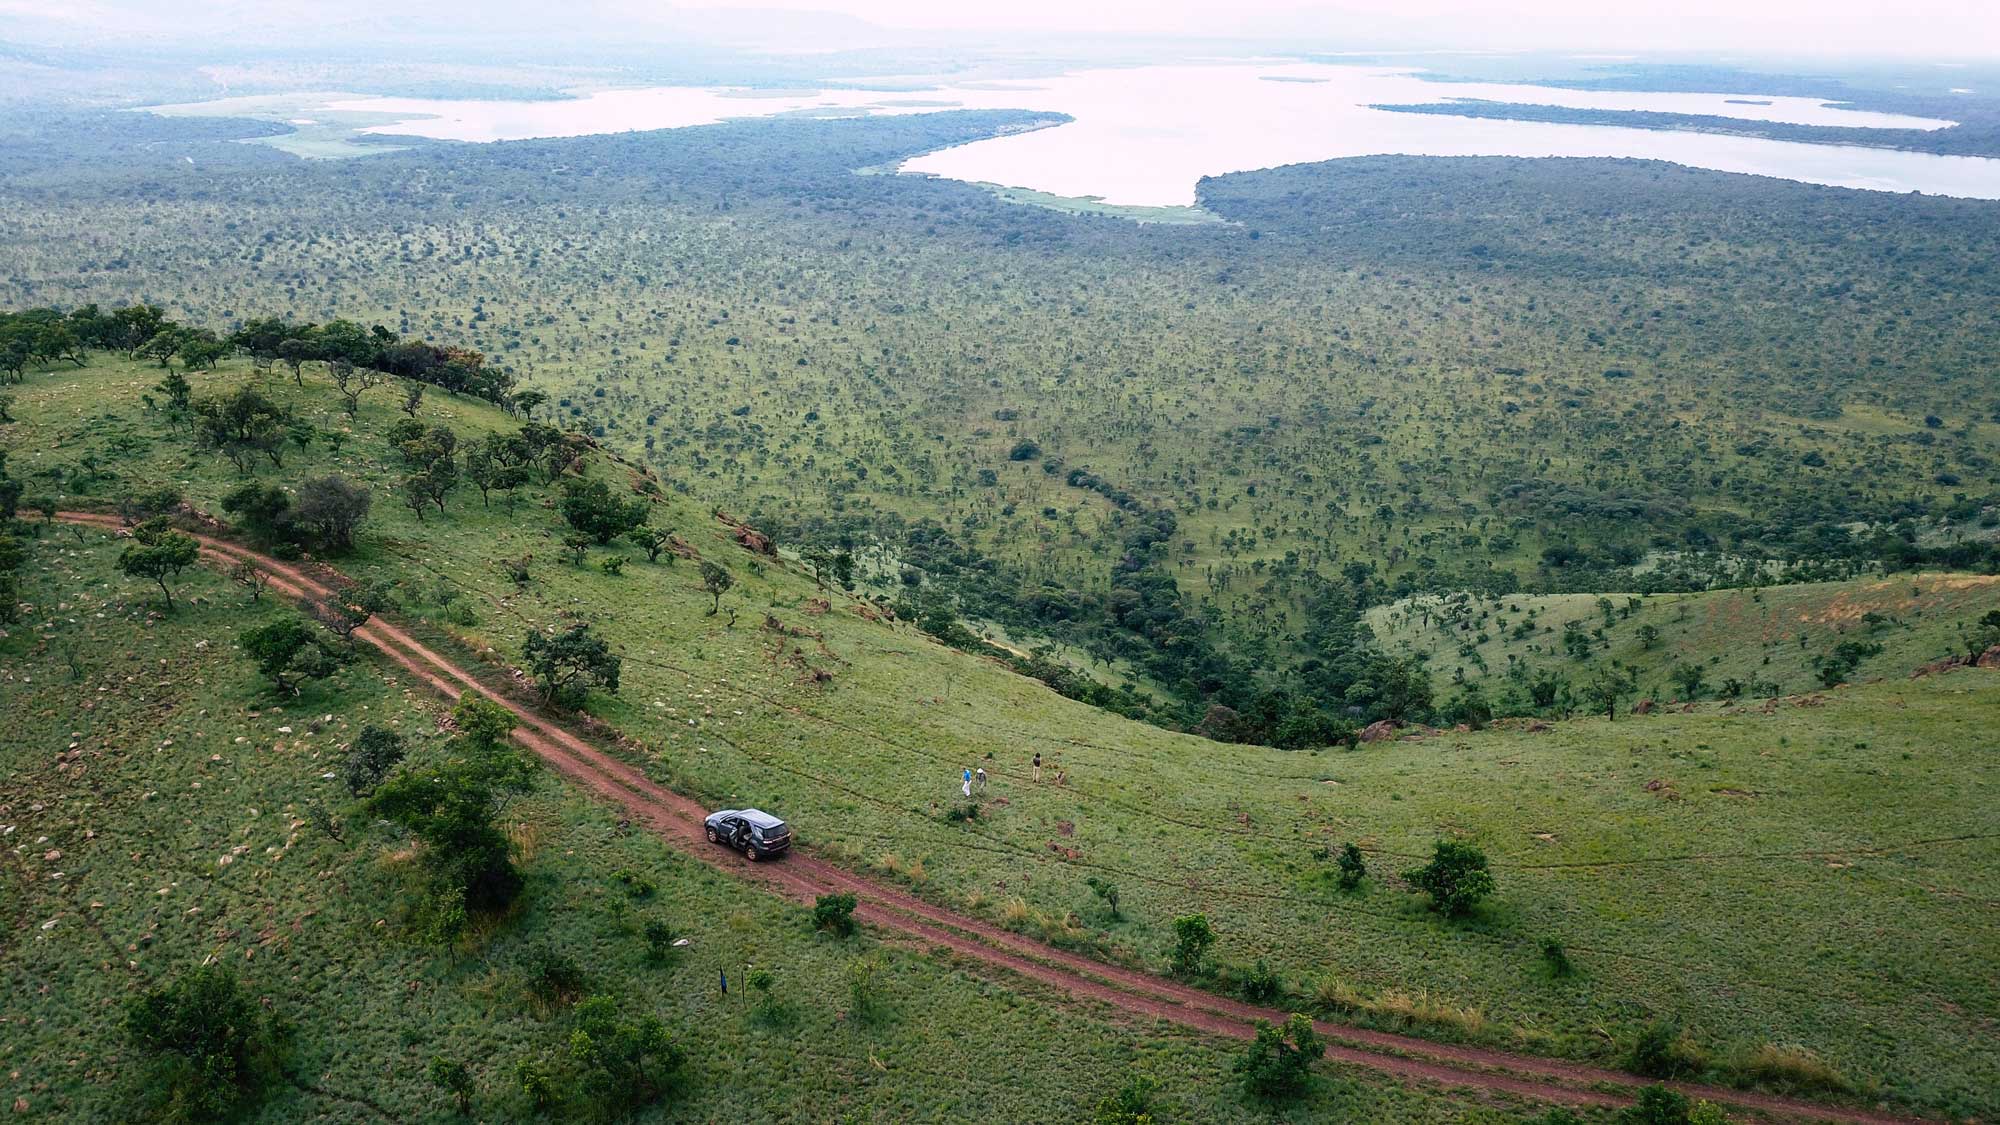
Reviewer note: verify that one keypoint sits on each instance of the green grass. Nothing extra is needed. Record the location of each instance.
(155, 803)
(1788, 880)
(1772, 635)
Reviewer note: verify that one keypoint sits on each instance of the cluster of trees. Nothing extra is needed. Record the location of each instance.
(324, 514)
(44, 336)
(452, 807)
(212, 1049)
(1335, 683)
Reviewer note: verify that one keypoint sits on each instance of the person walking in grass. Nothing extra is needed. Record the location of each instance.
(1038, 765)
(980, 777)
(967, 787)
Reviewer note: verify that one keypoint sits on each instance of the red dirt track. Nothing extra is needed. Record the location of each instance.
(678, 820)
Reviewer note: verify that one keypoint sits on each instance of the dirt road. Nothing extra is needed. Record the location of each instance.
(678, 820)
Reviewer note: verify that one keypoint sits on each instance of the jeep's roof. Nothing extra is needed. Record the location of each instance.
(758, 817)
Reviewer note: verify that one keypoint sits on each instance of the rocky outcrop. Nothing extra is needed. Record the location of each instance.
(1379, 731)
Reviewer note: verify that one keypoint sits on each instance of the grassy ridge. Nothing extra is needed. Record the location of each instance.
(157, 801)
(1765, 635)
(1730, 894)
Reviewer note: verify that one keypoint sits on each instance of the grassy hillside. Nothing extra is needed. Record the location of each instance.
(1746, 643)
(160, 803)
(1813, 878)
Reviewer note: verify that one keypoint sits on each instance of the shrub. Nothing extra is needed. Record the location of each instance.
(537, 1084)
(1192, 937)
(452, 1075)
(1707, 1113)
(660, 936)
(330, 510)
(375, 752)
(1107, 892)
(864, 989)
(1456, 878)
(453, 808)
(1663, 1050)
(553, 976)
(594, 510)
(1792, 1068)
(636, 885)
(1555, 958)
(1279, 1062)
(623, 1063)
(768, 1007)
(1132, 1104)
(834, 914)
(1352, 867)
(1657, 1105)
(214, 1045)
(1261, 982)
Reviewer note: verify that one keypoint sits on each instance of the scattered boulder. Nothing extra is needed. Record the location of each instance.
(1380, 730)
(1643, 707)
(747, 537)
(1988, 659)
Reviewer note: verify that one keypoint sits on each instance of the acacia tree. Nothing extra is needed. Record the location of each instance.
(526, 402)
(564, 665)
(295, 353)
(652, 540)
(594, 510)
(717, 582)
(158, 555)
(351, 381)
(492, 465)
(330, 509)
(290, 652)
(1604, 689)
(241, 426)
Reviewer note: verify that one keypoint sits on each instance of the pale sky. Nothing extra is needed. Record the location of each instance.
(1947, 28)
(1944, 30)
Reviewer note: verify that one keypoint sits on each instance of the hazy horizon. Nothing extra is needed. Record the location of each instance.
(1943, 30)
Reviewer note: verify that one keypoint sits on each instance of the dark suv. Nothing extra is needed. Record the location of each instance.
(751, 831)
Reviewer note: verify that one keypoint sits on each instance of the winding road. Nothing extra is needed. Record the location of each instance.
(677, 820)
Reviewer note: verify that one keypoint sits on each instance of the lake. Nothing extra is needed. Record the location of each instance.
(1144, 136)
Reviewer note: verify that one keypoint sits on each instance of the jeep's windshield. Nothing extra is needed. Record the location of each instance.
(770, 831)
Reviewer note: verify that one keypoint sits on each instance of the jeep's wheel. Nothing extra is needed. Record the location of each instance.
(752, 854)
(712, 837)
